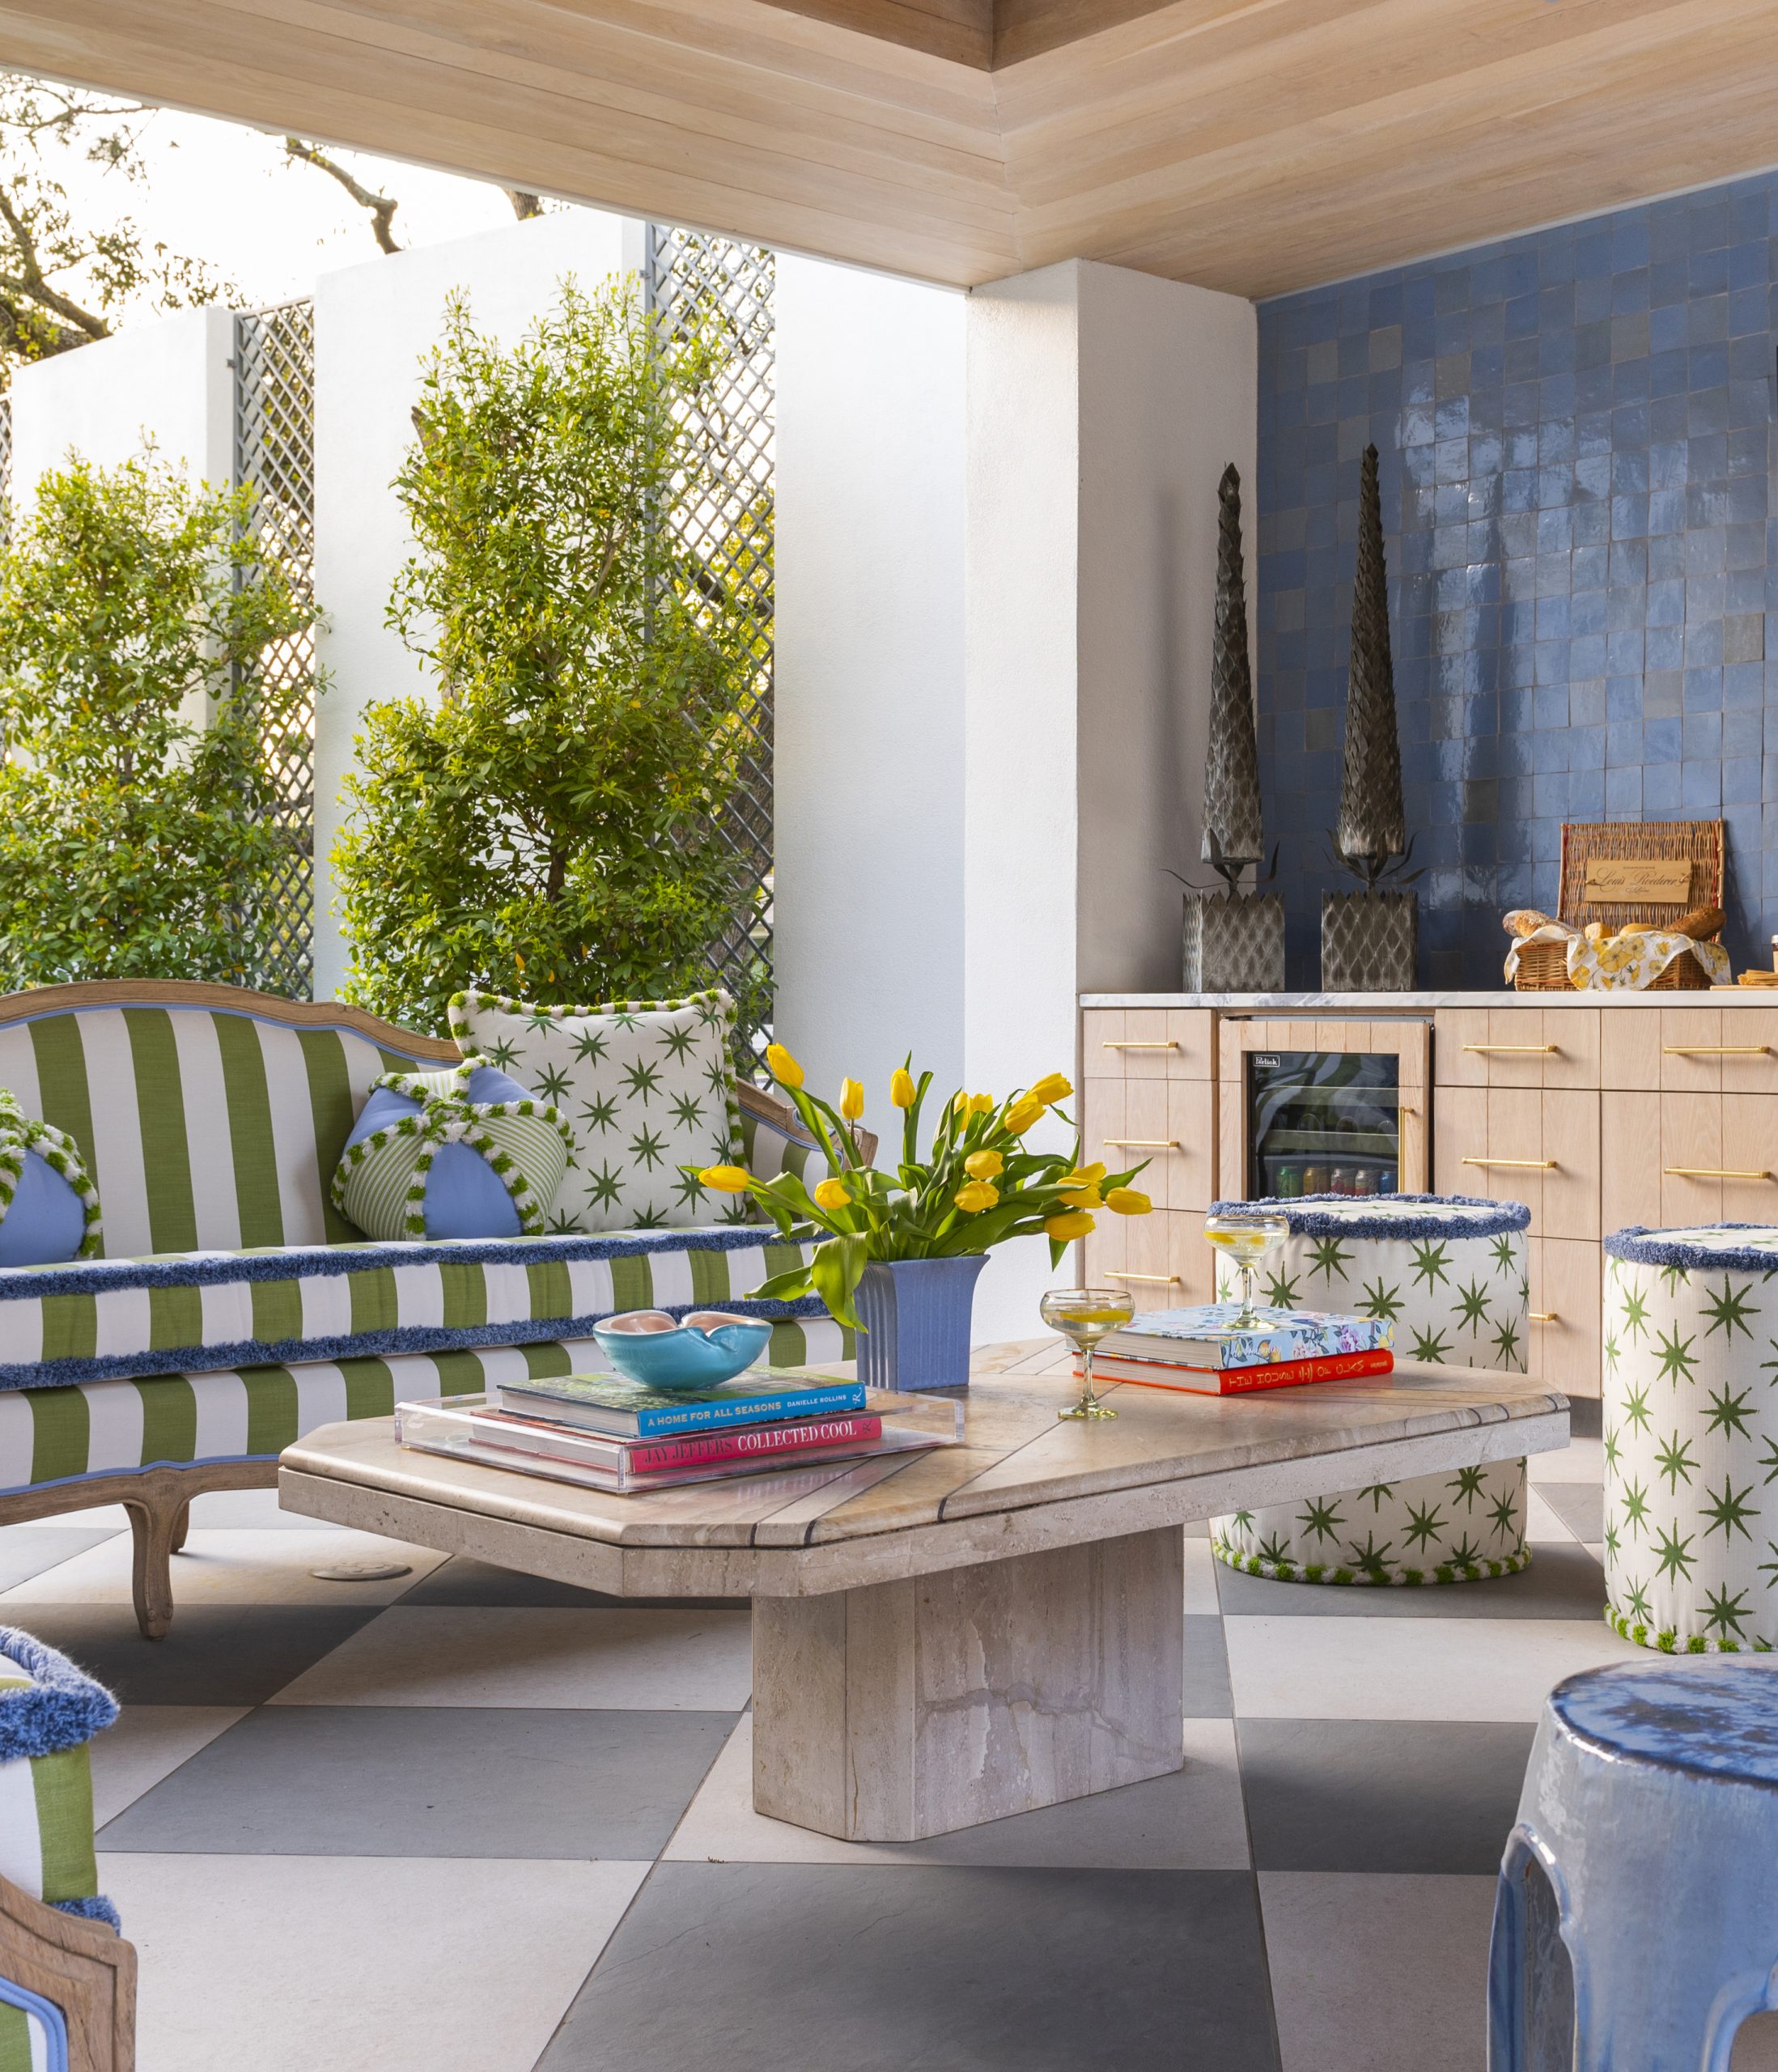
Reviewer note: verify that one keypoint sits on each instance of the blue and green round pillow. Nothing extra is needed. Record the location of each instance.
(49, 1208)
(464, 1152)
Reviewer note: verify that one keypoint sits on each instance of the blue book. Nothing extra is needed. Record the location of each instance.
(1209, 1337)
(626, 1409)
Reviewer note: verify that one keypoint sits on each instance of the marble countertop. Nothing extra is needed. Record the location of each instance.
(1022, 1478)
(1717, 996)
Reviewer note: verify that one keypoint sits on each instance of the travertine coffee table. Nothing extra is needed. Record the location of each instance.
(948, 1638)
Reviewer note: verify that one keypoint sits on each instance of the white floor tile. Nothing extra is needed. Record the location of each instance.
(1201, 1578)
(1192, 1822)
(1377, 1974)
(149, 1743)
(235, 1566)
(1433, 1669)
(361, 1963)
(250, 1507)
(1542, 1521)
(1582, 1460)
(631, 1661)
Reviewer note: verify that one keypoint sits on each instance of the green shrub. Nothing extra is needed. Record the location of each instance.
(545, 829)
(138, 836)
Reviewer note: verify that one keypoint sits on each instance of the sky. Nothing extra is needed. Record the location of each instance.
(225, 193)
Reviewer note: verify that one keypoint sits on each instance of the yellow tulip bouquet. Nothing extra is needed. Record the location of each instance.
(979, 1186)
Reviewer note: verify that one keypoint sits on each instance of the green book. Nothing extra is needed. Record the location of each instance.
(627, 1410)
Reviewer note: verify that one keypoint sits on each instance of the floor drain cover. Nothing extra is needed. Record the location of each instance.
(363, 1571)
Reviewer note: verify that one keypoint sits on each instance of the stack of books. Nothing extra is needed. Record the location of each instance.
(1204, 1351)
(606, 1433)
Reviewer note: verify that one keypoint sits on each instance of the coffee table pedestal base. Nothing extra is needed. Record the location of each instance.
(904, 1709)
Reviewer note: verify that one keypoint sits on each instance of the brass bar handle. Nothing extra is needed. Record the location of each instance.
(1712, 1173)
(1542, 1316)
(1516, 1050)
(1527, 1165)
(1716, 1050)
(1160, 1279)
(1133, 1045)
(1141, 1143)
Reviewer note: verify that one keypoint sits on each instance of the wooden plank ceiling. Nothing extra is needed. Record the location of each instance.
(1254, 145)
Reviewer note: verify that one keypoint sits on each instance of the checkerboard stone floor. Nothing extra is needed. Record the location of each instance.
(471, 1822)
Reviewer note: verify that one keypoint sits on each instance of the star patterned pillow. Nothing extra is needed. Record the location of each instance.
(647, 1087)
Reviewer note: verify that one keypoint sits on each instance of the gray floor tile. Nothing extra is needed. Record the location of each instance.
(1399, 1795)
(1580, 1506)
(756, 1968)
(1562, 1582)
(463, 1581)
(431, 1781)
(31, 1550)
(216, 1654)
(1208, 1695)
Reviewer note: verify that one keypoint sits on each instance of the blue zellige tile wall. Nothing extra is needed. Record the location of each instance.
(1575, 429)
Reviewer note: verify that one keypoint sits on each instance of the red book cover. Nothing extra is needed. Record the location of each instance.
(749, 1441)
(689, 1450)
(1243, 1381)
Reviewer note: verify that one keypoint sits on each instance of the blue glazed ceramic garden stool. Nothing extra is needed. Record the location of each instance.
(1647, 1844)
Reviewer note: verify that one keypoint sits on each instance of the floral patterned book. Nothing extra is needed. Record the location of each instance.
(1207, 1336)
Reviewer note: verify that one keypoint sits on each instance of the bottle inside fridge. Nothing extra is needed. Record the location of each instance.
(1322, 1122)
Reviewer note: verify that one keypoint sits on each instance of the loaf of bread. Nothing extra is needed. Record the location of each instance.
(1700, 924)
(1526, 921)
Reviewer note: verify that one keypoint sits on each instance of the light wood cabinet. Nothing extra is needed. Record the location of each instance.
(1663, 1114)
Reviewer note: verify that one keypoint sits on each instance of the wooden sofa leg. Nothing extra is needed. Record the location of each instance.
(155, 1520)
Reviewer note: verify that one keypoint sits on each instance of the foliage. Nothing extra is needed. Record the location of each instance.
(136, 841)
(546, 830)
(61, 280)
(978, 1185)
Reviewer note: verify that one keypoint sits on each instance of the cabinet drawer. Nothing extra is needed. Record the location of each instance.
(1147, 1042)
(1672, 1160)
(1533, 1145)
(1516, 1047)
(1161, 1259)
(1565, 1314)
(1169, 1123)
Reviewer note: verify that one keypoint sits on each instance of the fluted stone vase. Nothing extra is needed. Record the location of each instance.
(916, 1317)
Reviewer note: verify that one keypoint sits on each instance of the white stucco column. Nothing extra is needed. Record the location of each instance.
(868, 934)
(374, 324)
(168, 384)
(976, 807)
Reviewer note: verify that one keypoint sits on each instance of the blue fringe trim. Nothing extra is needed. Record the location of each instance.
(96, 1909)
(356, 1345)
(1643, 1246)
(302, 1262)
(63, 1707)
(1481, 1217)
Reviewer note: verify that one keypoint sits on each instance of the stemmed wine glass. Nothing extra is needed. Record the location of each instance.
(1245, 1237)
(1083, 1315)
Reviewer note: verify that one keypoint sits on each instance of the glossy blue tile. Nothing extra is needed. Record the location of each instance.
(1576, 428)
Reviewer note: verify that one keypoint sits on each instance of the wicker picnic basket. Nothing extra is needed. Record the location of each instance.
(1543, 966)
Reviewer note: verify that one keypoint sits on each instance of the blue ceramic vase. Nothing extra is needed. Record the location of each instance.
(916, 1318)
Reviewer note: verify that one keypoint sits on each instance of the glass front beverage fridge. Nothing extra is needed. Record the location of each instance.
(1323, 1122)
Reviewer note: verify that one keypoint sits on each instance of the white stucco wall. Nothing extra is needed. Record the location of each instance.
(869, 767)
(373, 324)
(169, 382)
(1103, 406)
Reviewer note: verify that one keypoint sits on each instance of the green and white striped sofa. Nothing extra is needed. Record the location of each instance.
(234, 1308)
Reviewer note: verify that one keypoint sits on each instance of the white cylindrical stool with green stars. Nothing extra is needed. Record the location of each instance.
(1449, 1271)
(1691, 1421)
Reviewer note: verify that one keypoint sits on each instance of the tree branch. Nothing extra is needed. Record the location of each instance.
(382, 207)
(32, 284)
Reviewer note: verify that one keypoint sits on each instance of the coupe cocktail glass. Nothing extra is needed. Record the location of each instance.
(1083, 1315)
(1246, 1238)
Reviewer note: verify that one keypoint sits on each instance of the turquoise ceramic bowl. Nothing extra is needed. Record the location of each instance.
(687, 1358)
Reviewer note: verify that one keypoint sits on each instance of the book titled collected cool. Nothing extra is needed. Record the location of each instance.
(467, 1428)
(1208, 1336)
(1243, 1381)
